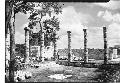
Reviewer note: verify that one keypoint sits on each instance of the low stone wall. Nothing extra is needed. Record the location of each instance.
(79, 64)
(97, 54)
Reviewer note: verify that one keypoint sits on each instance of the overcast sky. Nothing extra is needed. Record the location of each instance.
(75, 17)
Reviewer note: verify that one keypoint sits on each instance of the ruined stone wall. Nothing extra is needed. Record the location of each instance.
(97, 54)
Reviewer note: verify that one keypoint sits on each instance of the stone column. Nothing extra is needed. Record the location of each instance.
(55, 47)
(69, 45)
(42, 46)
(105, 45)
(27, 44)
(42, 40)
(57, 55)
(85, 46)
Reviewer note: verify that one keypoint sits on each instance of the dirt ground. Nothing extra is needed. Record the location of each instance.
(76, 74)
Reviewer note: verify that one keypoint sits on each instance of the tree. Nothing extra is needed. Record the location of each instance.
(20, 49)
(13, 7)
(51, 33)
(47, 33)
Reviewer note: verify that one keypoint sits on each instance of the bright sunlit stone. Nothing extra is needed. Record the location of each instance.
(59, 76)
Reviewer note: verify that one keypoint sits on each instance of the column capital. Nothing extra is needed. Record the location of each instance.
(68, 31)
(104, 26)
(27, 29)
(84, 29)
(105, 29)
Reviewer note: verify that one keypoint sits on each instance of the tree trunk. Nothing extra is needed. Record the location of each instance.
(7, 49)
(12, 46)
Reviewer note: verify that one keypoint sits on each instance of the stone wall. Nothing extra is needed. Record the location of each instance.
(97, 54)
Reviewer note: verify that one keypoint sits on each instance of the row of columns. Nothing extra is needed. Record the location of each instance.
(27, 45)
(85, 45)
(69, 45)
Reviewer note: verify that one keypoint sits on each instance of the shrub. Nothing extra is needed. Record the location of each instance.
(110, 73)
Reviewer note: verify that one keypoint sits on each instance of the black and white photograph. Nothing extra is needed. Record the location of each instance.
(57, 41)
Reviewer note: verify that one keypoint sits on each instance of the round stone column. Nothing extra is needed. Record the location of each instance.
(69, 45)
(27, 44)
(85, 46)
(105, 45)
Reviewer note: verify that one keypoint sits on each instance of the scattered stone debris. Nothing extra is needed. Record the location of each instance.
(22, 75)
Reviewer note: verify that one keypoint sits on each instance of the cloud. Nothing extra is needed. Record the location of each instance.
(73, 21)
(113, 30)
(116, 18)
(100, 13)
(109, 5)
(113, 34)
(95, 37)
(70, 17)
(76, 41)
(108, 16)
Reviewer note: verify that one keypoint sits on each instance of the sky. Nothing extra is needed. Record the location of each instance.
(79, 15)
